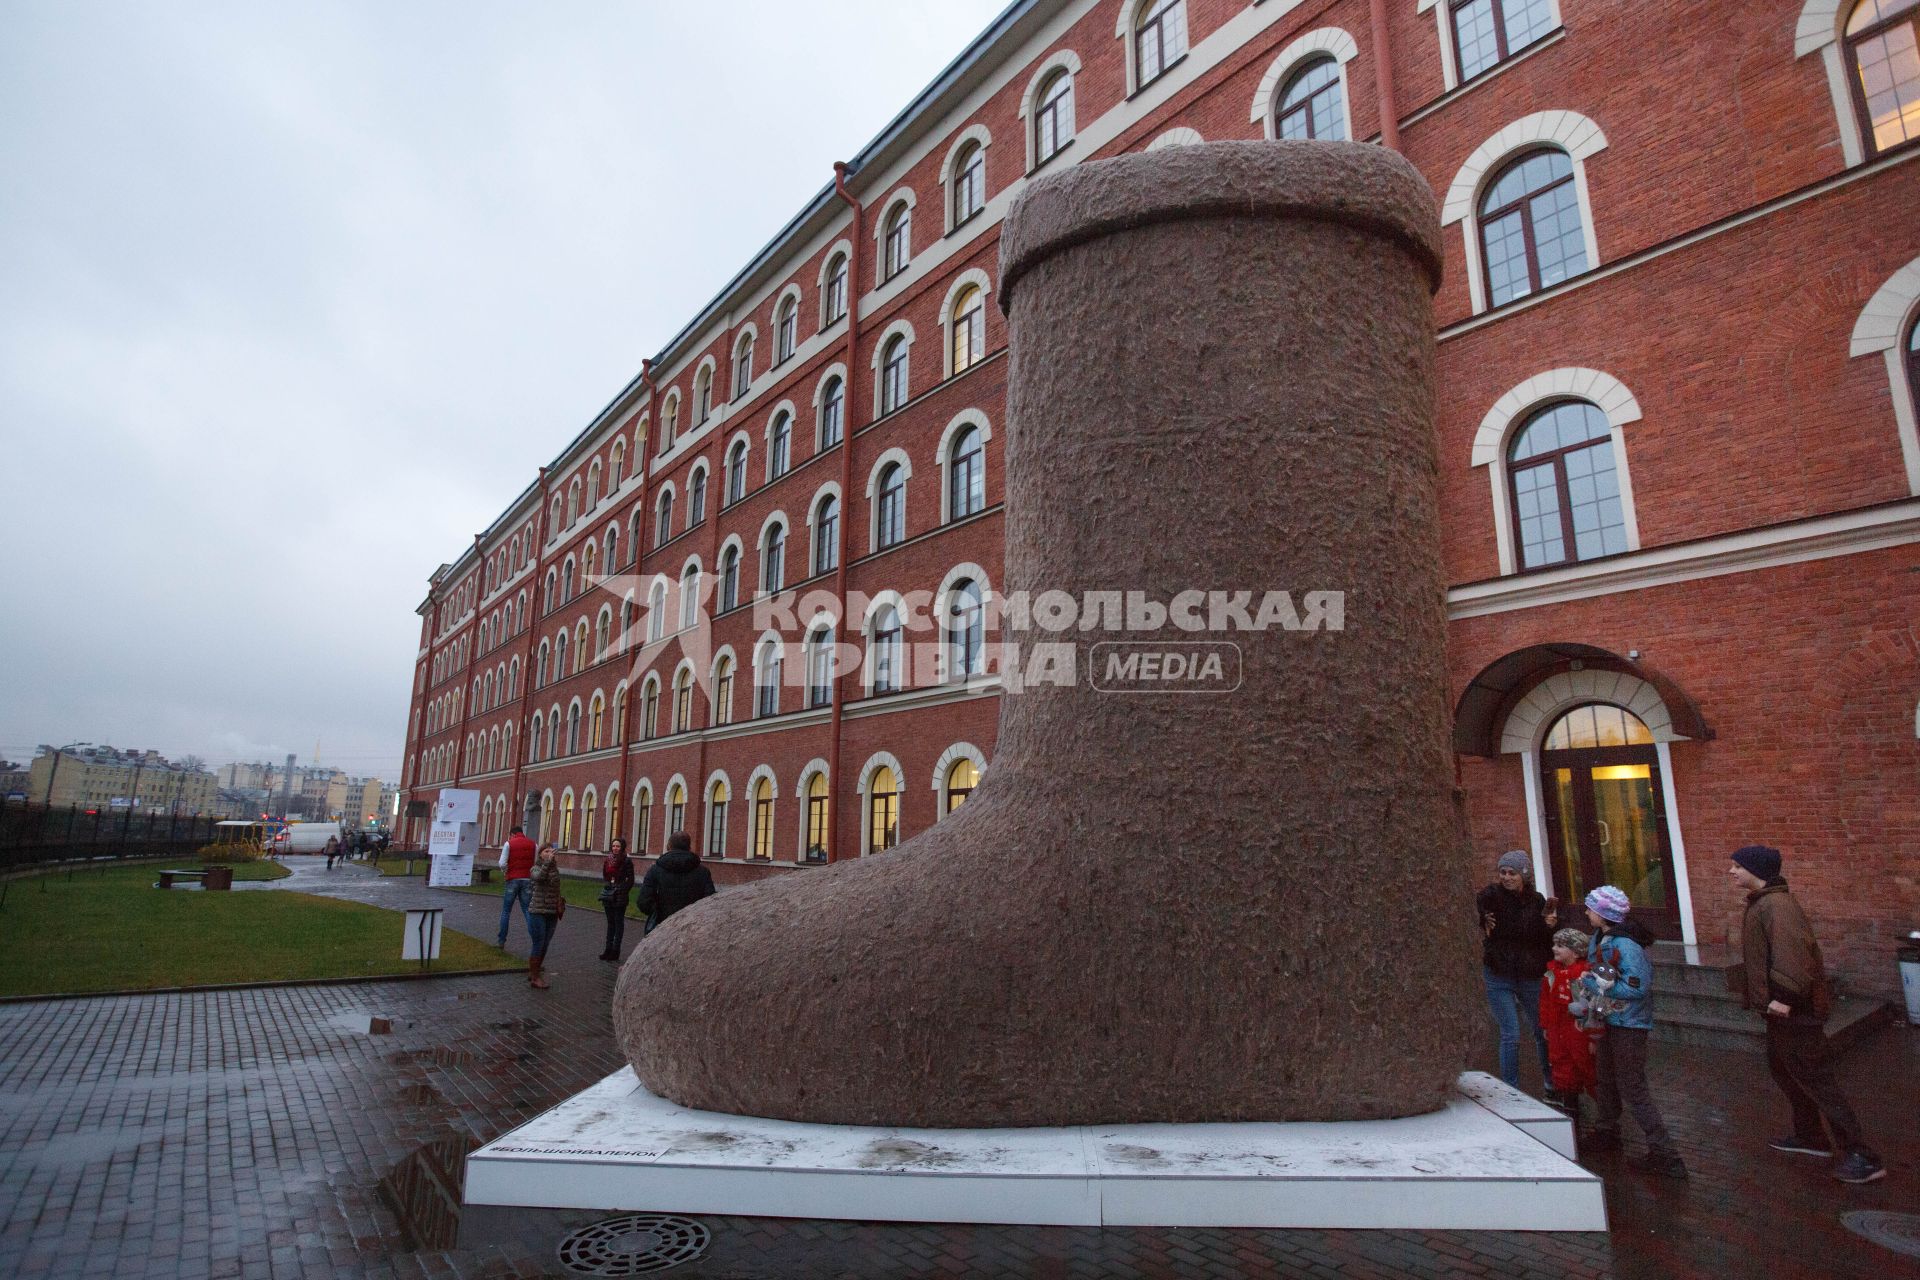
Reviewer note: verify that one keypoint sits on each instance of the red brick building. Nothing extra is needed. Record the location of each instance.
(1680, 471)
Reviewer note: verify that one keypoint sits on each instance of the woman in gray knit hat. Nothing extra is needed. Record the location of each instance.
(1516, 941)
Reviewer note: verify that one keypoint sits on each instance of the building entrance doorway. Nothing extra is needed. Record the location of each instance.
(1606, 819)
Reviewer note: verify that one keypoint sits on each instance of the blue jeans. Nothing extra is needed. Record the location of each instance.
(523, 890)
(540, 928)
(1509, 1001)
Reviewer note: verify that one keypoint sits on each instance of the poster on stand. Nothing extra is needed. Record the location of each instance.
(451, 848)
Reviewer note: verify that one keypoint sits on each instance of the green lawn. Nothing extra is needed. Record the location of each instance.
(110, 930)
(578, 893)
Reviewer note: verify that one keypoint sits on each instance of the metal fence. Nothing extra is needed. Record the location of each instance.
(34, 834)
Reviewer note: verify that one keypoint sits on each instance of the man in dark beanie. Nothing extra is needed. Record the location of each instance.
(1785, 979)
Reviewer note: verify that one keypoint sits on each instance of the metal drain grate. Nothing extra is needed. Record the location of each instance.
(1899, 1232)
(635, 1244)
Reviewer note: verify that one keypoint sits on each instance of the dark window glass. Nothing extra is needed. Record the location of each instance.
(817, 799)
(836, 299)
(833, 412)
(1883, 43)
(730, 579)
(890, 524)
(1160, 39)
(1531, 233)
(966, 632)
(723, 692)
(969, 184)
(768, 690)
(899, 242)
(893, 376)
(967, 476)
(1487, 31)
(779, 446)
(886, 651)
(1566, 493)
(697, 499)
(1311, 107)
(820, 668)
(826, 536)
(774, 572)
(969, 328)
(717, 821)
(737, 472)
(664, 529)
(1053, 120)
(783, 330)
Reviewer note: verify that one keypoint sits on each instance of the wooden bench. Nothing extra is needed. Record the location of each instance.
(168, 877)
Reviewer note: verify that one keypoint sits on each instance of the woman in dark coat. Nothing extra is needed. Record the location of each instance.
(617, 873)
(675, 882)
(1516, 942)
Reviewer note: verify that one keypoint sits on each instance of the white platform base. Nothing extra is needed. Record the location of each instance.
(1493, 1159)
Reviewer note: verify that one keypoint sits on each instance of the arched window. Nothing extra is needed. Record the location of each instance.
(566, 821)
(736, 472)
(1531, 232)
(689, 597)
(962, 778)
(897, 246)
(566, 582)
(743, 367)
(650, 709)
(1883, 50)
(642, 817)
(969, 183)
(620, 716)
(663, 527)
(883, 811)
(723, 691)
(580, 650)
(1311, 105)
(613, 815)
(702, 394)
(596, 723)
(833, 412)
(1053, 117)
(786, 324)
(966, 475)
(717, 819)
(669, 421)
(833, 299)
(779, 445)
(1159, 39)
(773, 561)
(893, 374)
(560, 656)
(618, 467)
(573, 729)
(729, 579)
(817, 802)
(613, 548)
(1487, 32)
(762, 850)
(593, 486)
(573, 502)
(683, 701)
(884, 658)
(697, 497)
(1566, 492)
(676, 808)
(657, 611)
(826, 535)
(969, 328)
(767, 680)
(587, 811)
(890, 516)
(820, 667)
(602, 634)
(966, 631)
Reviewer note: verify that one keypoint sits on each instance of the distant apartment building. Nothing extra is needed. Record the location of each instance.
(318, 792)
(100, 777)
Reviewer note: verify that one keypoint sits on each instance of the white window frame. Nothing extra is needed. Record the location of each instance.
(895, 457)
(904, 196)
(1130, 13)
(1450, 57)
(898, 329)
(965, 418)
(842, 249)
(973, 278)
(1060, 60)
(949, 175)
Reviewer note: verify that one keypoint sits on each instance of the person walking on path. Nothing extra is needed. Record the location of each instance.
(1516, 930)
(1568, 1046)
(548, 908)
(617, 874)
(1785, 979)
(517, 860)
(675, 882)
(1620, 973)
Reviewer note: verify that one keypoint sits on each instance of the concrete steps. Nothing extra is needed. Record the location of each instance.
(1693, 1005)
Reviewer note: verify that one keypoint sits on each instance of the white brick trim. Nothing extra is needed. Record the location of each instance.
(1177, 137)
(1882, 324)
(1536, 713)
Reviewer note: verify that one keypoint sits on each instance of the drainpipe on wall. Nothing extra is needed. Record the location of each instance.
(466, 673)
(854, 277)
(643, 459)
(1383, 75)
(521, 746)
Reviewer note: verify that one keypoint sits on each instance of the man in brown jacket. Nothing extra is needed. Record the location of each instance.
(1787, 982)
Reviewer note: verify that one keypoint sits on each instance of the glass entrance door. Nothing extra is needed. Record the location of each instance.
(1606, 825)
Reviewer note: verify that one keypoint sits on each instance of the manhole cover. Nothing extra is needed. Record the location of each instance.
(1899, 1232)
(635, 1244)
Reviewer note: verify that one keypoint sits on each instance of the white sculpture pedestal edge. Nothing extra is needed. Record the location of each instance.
(1493, 1159)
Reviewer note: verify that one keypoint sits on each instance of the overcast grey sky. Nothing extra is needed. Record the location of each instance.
(294, 297)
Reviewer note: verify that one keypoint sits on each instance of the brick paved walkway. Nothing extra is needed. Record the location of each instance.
(246, 1133)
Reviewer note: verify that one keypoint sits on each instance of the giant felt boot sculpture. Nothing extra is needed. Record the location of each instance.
(1163, 906)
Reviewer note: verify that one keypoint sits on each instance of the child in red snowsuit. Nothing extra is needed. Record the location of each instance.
(1569, 1049)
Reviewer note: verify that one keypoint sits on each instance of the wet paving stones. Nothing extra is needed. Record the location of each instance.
(249, 1133)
